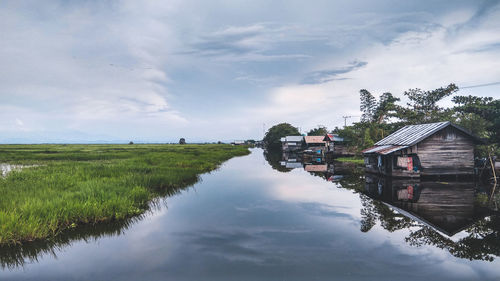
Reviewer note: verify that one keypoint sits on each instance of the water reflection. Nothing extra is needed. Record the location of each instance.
(6, 168)
(253, 221)
(436, 212)
(448, 207)
(13, 256)
(433, 212)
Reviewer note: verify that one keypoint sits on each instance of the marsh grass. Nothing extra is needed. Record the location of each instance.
(87, 184)
(351, 160)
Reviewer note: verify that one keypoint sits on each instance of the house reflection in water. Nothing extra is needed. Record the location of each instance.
(434, 212)
(448, 216)
(446, 207)
(332, 171)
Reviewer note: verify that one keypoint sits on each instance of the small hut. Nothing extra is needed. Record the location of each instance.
(315, 144)
(434, 149)
(335, 144)
(291, 143)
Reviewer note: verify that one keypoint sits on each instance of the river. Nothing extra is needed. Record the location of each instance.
(257, 220)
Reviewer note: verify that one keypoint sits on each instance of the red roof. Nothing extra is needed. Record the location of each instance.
(316, 168)
(314, 139)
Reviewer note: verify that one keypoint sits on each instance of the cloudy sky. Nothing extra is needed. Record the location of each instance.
(226, 69)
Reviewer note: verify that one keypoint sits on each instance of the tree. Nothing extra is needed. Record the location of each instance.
(423, 108)
(274, 158)
(386, 108)
(367, 140)
(320, 131)
(182, 141)
(376, 114)
(368, 106)
(276, 132)
(481, 115)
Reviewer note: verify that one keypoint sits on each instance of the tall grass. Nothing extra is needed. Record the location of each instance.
(86, 184)
(351, 160)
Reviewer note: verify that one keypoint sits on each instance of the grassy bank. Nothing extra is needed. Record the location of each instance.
(84, 184)
(351, 160)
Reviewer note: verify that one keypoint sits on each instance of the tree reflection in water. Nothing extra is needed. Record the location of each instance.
(13, 256)
(432, 212)
(18, 255)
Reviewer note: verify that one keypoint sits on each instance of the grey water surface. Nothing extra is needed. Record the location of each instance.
(250, 220)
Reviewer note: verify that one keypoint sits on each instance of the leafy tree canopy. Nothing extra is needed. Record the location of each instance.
(276, 132)
(320, 131)
(480, 115)
(423, 108)
(374, 111)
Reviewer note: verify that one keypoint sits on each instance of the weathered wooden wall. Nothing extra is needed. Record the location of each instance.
(447, 207)
(341, 149)
(449, 151)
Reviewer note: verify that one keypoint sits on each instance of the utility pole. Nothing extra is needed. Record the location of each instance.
(345, 119)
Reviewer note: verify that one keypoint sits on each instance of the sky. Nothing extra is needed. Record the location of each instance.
(156, 71)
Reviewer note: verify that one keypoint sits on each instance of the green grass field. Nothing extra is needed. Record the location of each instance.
(351, 160)
(87, 184)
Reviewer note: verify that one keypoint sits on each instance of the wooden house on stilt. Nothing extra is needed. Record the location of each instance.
(435, 149)
(315, 145)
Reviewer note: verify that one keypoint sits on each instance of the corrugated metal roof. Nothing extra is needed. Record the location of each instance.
(314, 139)
(294, 138)
(384, 149)
(332, 137)
(337, 138)
(374, 149)
(412, 134)
(392, 149)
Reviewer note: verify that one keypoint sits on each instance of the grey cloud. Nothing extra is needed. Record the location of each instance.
(78, 64)
(484, 9)
(481, 85)
(258, 42)
(482, 48)
(323, 76)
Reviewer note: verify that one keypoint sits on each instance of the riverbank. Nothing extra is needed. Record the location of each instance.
(351, 160)
(71, 185)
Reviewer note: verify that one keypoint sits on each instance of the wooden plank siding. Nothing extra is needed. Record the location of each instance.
(448, 151)
(447, 207)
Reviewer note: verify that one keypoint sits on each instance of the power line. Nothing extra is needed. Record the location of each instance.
(346, 117)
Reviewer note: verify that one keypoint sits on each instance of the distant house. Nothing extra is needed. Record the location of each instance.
(238, 142)
(335, 144)
(292, 143)
(426, 149)
(315, 144)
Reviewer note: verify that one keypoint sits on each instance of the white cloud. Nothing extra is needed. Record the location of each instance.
(19, 122)
(159, 70)
(426, 59)
(88, 67)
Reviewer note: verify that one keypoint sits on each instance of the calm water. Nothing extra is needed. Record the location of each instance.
(254, 221)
